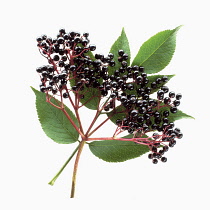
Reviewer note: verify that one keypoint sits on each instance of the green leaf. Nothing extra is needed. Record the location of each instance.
(156, 53)
(176, 116)
(116, 150)
(120, 44)
(118, 113)
(91, 98)
(54, 122)
(153, 78)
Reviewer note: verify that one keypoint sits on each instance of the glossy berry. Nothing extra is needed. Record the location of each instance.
(166, 113)
(125, 56)
(164, 79)
(150, 156)
(120, 52)
(178, 96)
(134, 113)
(60, 40)
(165, 89)
(173, 109)
(167, 100)
(165, 148)
(92, 47)
(155, 161)
(171, 94)
(164, 159)
(176, 103)
(141, 68)
(66, 95)
(56, 58)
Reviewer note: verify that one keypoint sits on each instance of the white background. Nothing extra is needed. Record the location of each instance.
(29, 159)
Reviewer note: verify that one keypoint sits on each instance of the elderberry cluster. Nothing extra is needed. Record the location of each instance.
(73, 67)
(67, 59)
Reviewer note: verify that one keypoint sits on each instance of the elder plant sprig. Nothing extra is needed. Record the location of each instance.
(131, 95)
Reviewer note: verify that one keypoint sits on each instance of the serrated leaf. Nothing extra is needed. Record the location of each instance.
(156, 53)
(120, 44)
(116, 150)
(54, 122)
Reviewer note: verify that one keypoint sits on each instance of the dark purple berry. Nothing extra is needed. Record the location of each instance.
(166, 113)
(56, 58)
(164, 78)
(165, 148)
(164, 159)
(155, 161)
(120, 52)
(158, 80)
(134, 113)
(60, 40)
(86, 34)
(179, 135)
(150, 156)
(178, 96)
(176, 103)
(92, 47)
(124, 63)
(167, 100)
(172, 94)
(141, 68)
(165, 89)
(153, 85)
(66, 95)
(43, 89)
(173, 109)
(125, 56)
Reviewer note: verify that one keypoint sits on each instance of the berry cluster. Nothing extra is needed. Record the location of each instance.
(67, 60)
(128, 86)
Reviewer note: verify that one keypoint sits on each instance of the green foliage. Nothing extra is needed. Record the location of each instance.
(175, 116)
(91, 98)
(54, 122)
(120, 44)
(117, 151)
(156, 53)
(118, 113)
(152, 78)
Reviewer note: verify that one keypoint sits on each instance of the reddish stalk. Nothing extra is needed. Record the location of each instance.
(99, 126)
(77, 112)
(72, 122)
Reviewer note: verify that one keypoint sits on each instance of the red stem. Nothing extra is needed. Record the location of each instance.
(72, 122)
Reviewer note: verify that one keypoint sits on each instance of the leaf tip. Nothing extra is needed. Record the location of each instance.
(178, 27)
